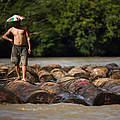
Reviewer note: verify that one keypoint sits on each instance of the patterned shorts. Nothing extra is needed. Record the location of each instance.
(19, 54)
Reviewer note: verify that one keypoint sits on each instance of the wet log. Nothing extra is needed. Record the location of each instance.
(66, 81)
(83, 92)
(7, 96)
(58, 73)
(50, 67)
(114, 70)
(51, 87)
(98, 82)
(36, 67)
(29, 93)
(54, 88)
(97, 73)
(88, 68)
(45, 76)
(112, 66)
(3, 71)
(71, 98)
(115, 74)
(12, 72)
(32, 75)
(67, 68)
(78, 72)
(111, 85)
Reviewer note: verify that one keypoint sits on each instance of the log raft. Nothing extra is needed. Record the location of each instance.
(87, 85)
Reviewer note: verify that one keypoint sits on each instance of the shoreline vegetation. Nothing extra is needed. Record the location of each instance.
(90, 85)
(65, 27)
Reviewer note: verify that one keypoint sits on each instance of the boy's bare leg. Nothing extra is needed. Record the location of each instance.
(24, 72)
(17, 71)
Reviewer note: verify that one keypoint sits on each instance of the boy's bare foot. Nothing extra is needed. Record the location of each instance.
(18, 78)
(24, 80)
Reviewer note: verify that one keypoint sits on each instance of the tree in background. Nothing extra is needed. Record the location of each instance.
(66, 27)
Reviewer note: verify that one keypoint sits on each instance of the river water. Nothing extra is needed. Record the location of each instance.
(61, 111)
(75, 61)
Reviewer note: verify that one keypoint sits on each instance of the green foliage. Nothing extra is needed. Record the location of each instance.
(67, 27)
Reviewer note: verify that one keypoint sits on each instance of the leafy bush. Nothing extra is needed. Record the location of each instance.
(67, 27)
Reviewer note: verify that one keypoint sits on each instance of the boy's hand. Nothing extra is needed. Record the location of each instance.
(12, 42)
(29, 51)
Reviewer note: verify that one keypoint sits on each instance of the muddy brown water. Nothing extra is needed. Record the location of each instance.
(61, 111)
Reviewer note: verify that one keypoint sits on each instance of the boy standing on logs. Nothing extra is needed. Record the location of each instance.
(19, 49)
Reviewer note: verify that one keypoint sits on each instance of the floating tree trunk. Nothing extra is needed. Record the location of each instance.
(54, 88)
(51, 87)
(97, 73)
(58, 73)
(31, 75)
(100, 81)
(111, 85)
(36, 67)
(50, 67)
(115, 74)
(67, 68)
(83, 92)
(78, 72)
(45, 76)
(29, 93)
(12, 72)
(3, 71)
(7, 96)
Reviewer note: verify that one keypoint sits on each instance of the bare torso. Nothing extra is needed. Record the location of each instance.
(19, 35)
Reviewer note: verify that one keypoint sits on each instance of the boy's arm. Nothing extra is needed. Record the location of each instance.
(28, 40)
(5, 36)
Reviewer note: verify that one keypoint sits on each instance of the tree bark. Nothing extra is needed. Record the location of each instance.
(29, 93)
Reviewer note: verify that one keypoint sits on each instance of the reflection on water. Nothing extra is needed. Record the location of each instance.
(60, 111)
(75, 61)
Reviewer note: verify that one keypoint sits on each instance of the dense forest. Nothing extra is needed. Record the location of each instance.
(65, 27)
